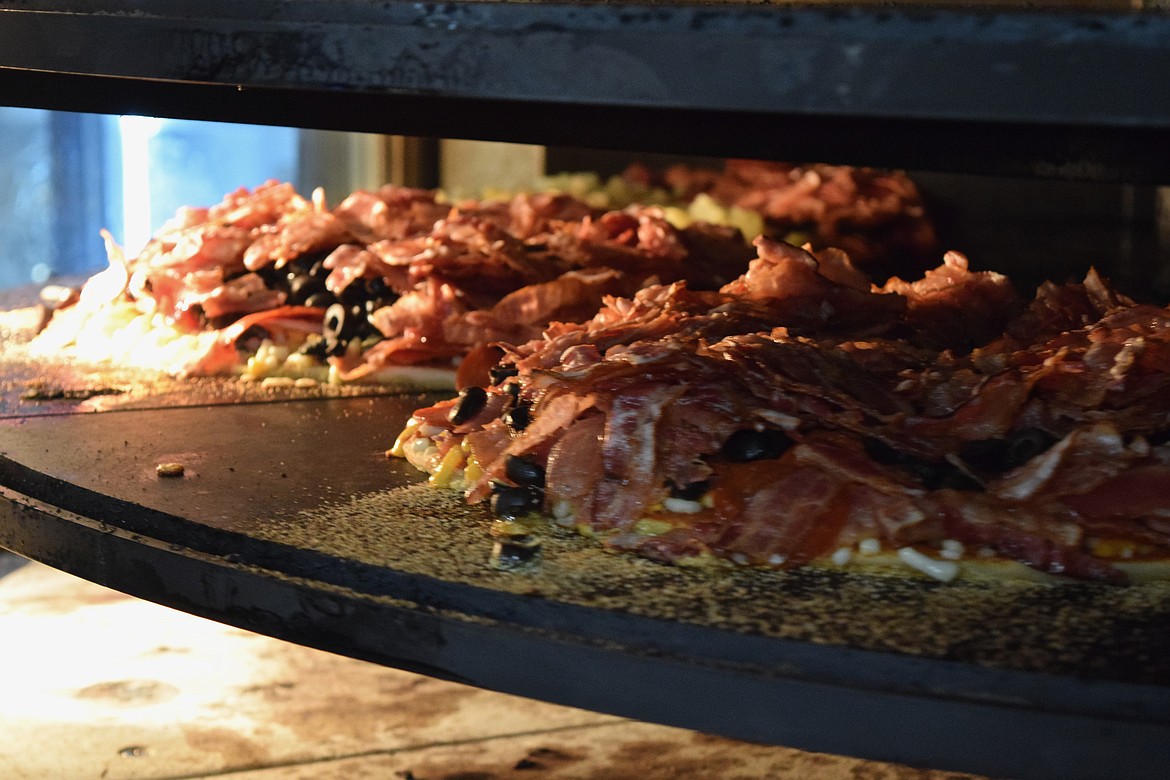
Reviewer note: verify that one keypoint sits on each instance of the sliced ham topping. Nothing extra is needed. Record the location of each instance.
(414, 326)
(815, 293)
(436, 415)
(306, 233)
(571, 297)
(393, 213)
(241, 295)
(631, 480)
(348, 263)
(1044, 542)
(1138, 492)
(951, 307)
(574, 470)
(1076, 464)
(778, 513)
(535, 215)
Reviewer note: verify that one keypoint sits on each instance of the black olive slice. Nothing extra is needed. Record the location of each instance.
(511, 503)
(956, 479)
(930, 473)
(250, 339)
(1012, 451)
(299, 265)
(314, 346)
(363, 328)
(498, 373)
(518, 418)
(523, 471)
(934, 475)
(692, 492)
(749, 444)
(471, 401)
(354, 295)
(516, 552)
(882, 452)
(273, 279)
(376, 287)
(1026, 444)
(302, 287)
(339, 323)
(513, 389)
(322, 300)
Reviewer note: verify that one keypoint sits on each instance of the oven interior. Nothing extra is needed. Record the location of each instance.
(1032, 132)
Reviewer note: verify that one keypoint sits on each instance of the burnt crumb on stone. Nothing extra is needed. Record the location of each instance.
(43, 392)
(515, 554)
(542, 757)
(170, 470)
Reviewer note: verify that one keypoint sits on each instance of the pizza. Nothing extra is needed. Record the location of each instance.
(397, 286)
(875, 216)
(801, 415)
(878, 217)
(393, 286)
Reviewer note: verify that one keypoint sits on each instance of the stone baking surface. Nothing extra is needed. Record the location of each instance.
(1054, 627)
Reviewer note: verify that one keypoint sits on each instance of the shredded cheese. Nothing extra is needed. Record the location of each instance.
(472, 471)
(408, 430)
(448, 467)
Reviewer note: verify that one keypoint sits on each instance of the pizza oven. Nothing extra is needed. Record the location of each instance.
(1039, 137)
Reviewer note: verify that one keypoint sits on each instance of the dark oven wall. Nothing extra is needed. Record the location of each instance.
(1038, 146)
(995, 88)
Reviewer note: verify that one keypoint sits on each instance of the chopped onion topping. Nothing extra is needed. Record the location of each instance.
(841, 556)
(952, 549)
(681, 505)
(944, 571)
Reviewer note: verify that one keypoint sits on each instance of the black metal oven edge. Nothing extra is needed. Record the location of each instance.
(1112, 152)
(952, 61)
(738, 653)
(940, 732)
